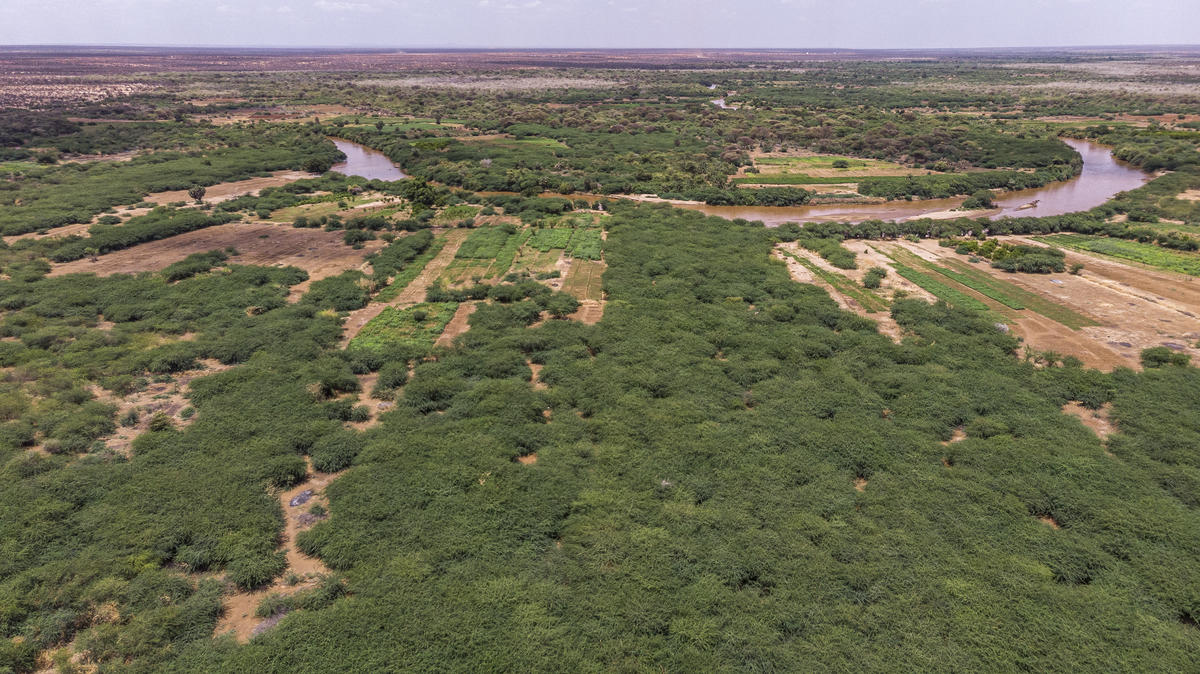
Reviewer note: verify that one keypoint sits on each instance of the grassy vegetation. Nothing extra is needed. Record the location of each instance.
(417, 326)
(73, 193)
(939, 289)
(485, 243)
(726, 473)
(1142, 253)
(410, 272)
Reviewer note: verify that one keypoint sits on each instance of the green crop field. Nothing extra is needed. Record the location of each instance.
(1142, 253)
(401, 328)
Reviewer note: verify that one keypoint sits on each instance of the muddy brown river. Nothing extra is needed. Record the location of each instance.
(363, 161)
(1101, 178)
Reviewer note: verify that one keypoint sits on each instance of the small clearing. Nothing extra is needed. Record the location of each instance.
(1097, 420)
(457, 325)
(239, 607)
(317, 252)
(225, 191)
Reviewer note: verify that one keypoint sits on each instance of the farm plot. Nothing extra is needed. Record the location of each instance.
(487, 253)
(419, 325)
(1132, 251)
(1105, 315)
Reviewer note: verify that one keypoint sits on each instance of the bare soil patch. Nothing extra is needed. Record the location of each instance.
(589, 313)
(238, 609)
(317, 252)
(458, 325)
(528, 459)
(1189, 195)
(1097, 420)
(1049, 521)
(536, 368)
(868, 257)
(231, 190)
(860, 484)
(167, 398)
(1137, 308)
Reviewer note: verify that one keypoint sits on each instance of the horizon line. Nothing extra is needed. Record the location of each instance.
(402, 48)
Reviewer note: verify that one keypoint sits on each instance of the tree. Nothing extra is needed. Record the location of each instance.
(197, 193)
(91, 253)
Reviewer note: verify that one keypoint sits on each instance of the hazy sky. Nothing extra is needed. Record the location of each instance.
(603, 23)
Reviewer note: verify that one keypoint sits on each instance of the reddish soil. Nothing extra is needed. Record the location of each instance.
(318, 252)
(458, 325)
(1049, 521)
(528, 459)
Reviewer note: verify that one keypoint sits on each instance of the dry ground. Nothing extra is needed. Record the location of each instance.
(318, 252)
(231, 190)
(239, 607)
(1136, 308)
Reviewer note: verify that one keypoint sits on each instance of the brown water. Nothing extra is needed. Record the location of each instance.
(1102, 177)
(363, 161)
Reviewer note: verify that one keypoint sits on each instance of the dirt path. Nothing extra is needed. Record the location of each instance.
(458, 325)
(239, 607)
(412, 294)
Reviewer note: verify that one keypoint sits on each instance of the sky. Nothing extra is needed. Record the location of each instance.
(858, 24)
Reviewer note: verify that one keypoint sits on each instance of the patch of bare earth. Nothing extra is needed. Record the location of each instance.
(1189, 195)
(238, 608)
(860, 484)
(1097, 420)
(231, 190)
(317, 252)
(527, 459)
(536, 368)
(165, 398)
(1049, 521)
(413, 293)
(1136, 308)
(458, 325)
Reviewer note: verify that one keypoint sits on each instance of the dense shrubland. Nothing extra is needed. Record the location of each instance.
(692, 505)
(49, 197)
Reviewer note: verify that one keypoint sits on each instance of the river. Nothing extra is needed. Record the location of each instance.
(1101, 178)
(363, 161)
